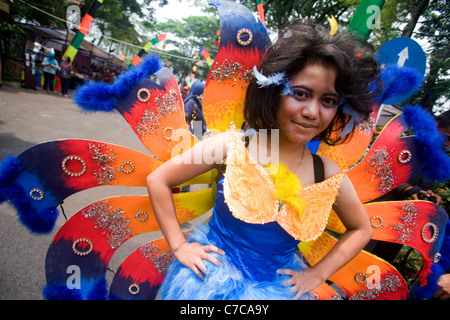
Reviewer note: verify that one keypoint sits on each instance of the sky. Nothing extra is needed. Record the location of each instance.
(177, 10)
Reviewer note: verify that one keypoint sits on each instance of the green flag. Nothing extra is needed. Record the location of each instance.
(366, 17)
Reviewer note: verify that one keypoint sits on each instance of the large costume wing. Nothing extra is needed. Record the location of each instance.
(147, 96)
(243, 40)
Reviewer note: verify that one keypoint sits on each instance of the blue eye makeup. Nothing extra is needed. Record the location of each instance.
(301, 94)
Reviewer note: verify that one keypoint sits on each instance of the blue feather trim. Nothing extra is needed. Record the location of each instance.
(100, 96)
(398, 81)
(435, 162)
(92, 290)
(437, 269)
(10, 168)
(36, 220)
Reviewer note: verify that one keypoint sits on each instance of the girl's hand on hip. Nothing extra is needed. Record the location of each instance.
(192, 255)
(300, 282)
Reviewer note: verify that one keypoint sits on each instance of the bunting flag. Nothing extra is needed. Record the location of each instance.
(259, 5)
(366, 17)
(192, 76)
(217, 43)
(83, 29)
(205, 55)
(146, 49)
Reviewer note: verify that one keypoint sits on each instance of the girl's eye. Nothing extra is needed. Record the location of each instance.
(330, 102)
(300, 94)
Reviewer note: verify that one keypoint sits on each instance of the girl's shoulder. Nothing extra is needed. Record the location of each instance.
(331, 167)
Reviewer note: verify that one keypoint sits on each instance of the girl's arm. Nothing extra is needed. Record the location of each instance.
(353, 215)
(201, 158)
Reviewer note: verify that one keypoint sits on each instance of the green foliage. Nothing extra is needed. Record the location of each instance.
(281, 12)
(409, 263)
(187, 36)
(443, 190)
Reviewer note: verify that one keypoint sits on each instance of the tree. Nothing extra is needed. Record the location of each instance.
(435, 29)
(187, 36)
(280, 12)
(420, 19)
(115, 18)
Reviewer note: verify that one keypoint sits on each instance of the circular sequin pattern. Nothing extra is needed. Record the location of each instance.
(82, 253)
(166, 136)
(434, 232)
(361, 277)
(141, 216)
(127, 167)
(376, 222)
(143, 97)
(69, 172)
(36, 194)
(404, 156)
(242, 34)
(134, 288)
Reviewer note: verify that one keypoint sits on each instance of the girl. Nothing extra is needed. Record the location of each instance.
(309, 85)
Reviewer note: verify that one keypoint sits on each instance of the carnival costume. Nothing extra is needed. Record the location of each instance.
(147, 96)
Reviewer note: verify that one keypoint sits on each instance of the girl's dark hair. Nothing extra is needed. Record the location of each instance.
(304, 44)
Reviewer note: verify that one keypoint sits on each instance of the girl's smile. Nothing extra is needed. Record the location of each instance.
(311, 105)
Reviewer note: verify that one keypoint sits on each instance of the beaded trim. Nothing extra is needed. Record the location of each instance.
(129, 163)
(167, 137)
(361, 277)
(239, 37)
(372, 222)
(82, 253)
(403, 159)
(35, 191)
(70, 173)
(134, 288)
(139, 96)
(435, 232)
(143, 214)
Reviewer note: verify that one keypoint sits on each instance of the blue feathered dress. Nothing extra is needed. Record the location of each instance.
(253, 254)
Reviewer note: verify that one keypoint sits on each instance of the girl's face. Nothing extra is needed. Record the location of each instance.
(311, 106)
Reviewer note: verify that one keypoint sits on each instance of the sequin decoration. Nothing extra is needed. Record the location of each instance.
(391, 283)
(103, 156)
(149, 122)
(231, 70)
(167, 103)
(434, 232)
(247, 34)
(73, 158)
(367, 127)
(82, 253)
(36, 194)
(161, 260)
(381, 164)
(405, 228)
(111, 221)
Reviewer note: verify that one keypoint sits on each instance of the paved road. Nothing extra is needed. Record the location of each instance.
(28, 117)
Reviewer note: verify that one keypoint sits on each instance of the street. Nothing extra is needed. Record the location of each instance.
(29, 117)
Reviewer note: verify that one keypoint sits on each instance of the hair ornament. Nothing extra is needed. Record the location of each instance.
(355, 118)
(273, 80)
(287, 90)
(333, 25)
